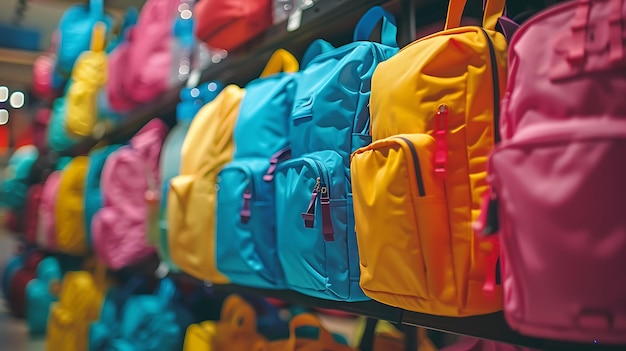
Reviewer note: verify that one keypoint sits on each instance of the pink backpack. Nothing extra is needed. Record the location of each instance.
(139, 67)
(43, 69)
(558, 176)
(129, 186)
(46, 233)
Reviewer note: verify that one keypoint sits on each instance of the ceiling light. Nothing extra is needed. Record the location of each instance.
(17, 100)
(4, 117)
(4, 93)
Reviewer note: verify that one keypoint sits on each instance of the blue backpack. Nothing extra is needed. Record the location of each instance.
(153, 322)
(93, 194)
(74, 30)
(192, 99)
(246, 227)
(14, 186)
(330, 119)
(39, 297)
(103, 332)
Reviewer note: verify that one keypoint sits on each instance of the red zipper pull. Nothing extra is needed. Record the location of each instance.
(441, 151)
(327, 223)
(491, 261)
(309, 215)
(244, 214)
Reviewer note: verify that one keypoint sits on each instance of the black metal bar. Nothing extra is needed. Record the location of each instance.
(367, 340)
(410, 338)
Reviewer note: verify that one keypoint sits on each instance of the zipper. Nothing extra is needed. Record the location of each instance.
(321, 186)
(416, 164)
(495, 77)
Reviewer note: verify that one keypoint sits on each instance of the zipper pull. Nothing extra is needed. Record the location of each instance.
(441, 151)
(244, 214)
(282, 154)
(327, 222)
(309, 215)
(491, 260)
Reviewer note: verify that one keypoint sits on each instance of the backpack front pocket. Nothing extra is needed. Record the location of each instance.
(246, 225)
(401, 222)
(312, 229)
(560, 192)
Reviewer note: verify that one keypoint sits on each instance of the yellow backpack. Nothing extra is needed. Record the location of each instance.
(417, 194)
(80, 301)
(88, 76)
(208, 146)
(69, 212)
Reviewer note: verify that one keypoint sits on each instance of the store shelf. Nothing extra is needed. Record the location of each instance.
(492, 326)
(333, 20)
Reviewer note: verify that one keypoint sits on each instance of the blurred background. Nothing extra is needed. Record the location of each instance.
(26, 29)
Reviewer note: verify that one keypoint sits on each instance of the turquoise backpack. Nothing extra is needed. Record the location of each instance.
(152, 322)
(74, 30)
(246, 218)
(14, 185)
(330, 119)
(93, 194)
(39, 297)
(192, 99)
(58, 139)
(103, 332)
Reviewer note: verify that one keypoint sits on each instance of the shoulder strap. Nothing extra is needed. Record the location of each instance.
(493, 11)
(281, 61)
(368, 22)
(98, 37)
(316, 48)
(96, 8)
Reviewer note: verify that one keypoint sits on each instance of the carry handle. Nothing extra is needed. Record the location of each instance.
(239, 314)
(96, 8)
(98, 37)
(281, 61)
(309, 320)
(318, 47)
(368, 22)
(493, 11)
(580, 25)
(167, 291)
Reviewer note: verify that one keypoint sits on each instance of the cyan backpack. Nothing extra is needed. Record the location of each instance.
(57, 137)
(246, 220)
(40, 294)
(14, 186)
(74, 30)
(316, 241)
(153, 322)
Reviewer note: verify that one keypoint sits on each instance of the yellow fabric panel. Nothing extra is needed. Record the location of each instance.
(208, 146)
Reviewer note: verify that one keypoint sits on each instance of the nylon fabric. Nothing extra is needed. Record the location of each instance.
(191, 204)
(445, 87)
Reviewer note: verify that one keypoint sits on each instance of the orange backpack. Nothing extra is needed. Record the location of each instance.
(417, 194)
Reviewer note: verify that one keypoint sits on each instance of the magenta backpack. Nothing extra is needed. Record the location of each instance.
(46, 233)
(558, 177)
(140, 66)
(129, 186)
